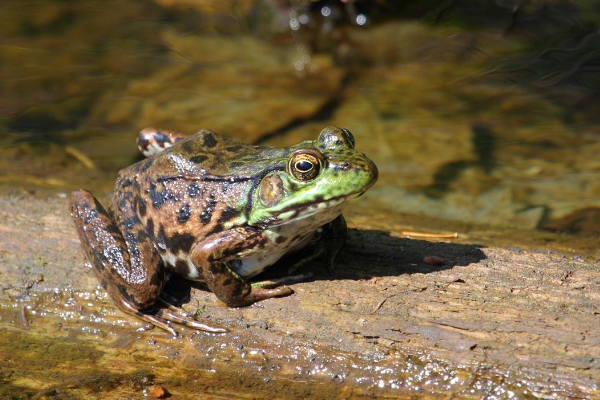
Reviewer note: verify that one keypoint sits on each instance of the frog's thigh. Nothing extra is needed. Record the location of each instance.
(211, 257)
(133, 282)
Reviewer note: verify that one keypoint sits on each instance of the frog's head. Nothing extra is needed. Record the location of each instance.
(318, 176)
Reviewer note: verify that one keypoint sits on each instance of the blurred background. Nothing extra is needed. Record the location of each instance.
(478, 111)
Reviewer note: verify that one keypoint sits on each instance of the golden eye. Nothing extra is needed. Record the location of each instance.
(305, 165)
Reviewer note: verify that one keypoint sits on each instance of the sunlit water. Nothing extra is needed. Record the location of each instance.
(477, 113)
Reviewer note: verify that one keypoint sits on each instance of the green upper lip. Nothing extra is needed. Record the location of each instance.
(312, 203)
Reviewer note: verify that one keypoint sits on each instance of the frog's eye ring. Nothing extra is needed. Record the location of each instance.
(305, 164)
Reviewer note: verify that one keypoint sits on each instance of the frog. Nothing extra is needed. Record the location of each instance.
(210, 209)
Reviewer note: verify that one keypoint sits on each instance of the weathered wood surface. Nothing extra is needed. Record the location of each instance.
(488, 323)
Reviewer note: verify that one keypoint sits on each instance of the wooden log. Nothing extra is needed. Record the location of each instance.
(487, 323)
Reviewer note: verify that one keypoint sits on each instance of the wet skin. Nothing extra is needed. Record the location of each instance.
(210, 209)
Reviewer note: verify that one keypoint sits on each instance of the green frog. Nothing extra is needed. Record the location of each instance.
(210, 209)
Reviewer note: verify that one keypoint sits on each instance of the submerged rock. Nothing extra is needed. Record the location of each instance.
(238, 86)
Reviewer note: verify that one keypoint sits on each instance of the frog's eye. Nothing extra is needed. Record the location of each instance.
(305, 164)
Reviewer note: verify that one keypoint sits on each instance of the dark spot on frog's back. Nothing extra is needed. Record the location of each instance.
(234, 148)
(159, 198)
(180, 242)
(184, 214)
(198, 159)
(207, 213)
(236, 164)
(193, 189)
(156, 197)
(130, 223)
(187, 147)
(209, 140)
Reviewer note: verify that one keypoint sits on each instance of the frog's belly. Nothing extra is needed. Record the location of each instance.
(250, 266)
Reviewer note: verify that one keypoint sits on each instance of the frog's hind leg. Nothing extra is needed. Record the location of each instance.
(123, 258)
(152, 141)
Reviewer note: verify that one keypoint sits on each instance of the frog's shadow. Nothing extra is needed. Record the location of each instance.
(368, 254)
(376, 253)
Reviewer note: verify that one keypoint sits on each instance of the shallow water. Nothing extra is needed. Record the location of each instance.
(474, 113)
(65, 345)
(478, 113)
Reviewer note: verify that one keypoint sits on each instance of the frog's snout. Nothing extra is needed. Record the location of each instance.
(374, 172)
(368, 172)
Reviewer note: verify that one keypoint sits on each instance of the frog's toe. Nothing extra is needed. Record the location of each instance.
(286, 280)
(154, 320)
(177, 318)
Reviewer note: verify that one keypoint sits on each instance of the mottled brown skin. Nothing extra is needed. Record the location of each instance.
(187, 210)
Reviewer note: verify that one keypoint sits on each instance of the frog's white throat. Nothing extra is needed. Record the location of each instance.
(288, 237)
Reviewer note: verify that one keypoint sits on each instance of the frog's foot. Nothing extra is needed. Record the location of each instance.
(152, 141)
(172, 314)
(164, 316)
(286, 280)
(152, 319)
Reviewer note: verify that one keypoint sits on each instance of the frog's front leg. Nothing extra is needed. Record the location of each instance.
(125, 261)
(212, 256)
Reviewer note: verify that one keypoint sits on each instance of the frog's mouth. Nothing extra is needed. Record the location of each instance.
(307, 210)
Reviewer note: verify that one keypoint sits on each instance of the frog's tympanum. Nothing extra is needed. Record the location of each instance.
(210, 209)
